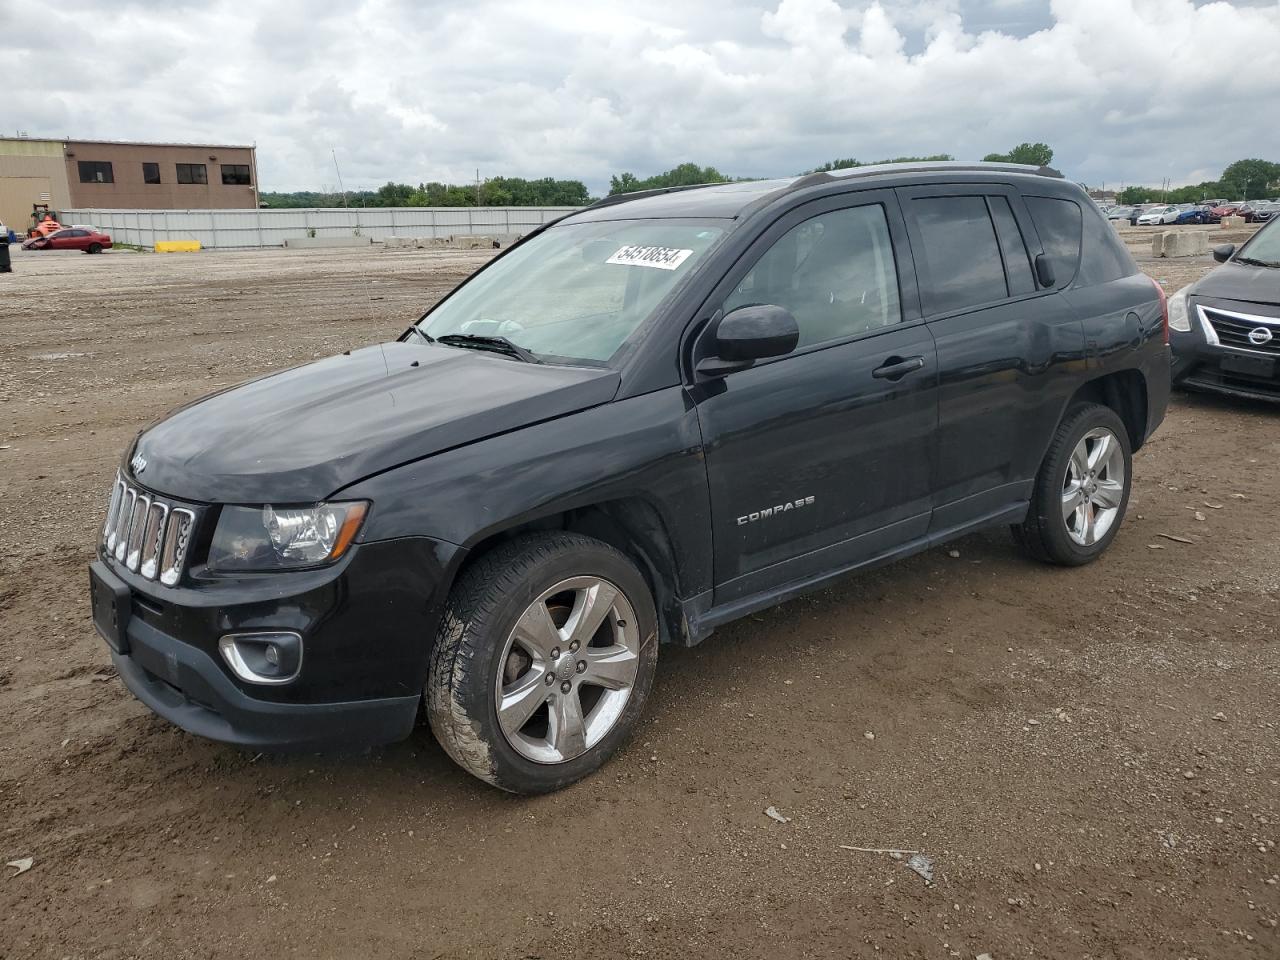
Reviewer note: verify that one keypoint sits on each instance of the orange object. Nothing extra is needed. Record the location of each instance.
(44, 220)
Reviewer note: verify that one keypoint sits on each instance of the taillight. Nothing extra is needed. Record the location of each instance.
(1164, 309)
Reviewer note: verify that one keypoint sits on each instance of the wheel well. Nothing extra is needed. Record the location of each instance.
(1125, 392)
(630, 525)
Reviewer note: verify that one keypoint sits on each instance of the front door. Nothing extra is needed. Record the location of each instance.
(821, 459)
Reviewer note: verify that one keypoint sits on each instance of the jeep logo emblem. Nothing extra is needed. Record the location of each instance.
(1260, 336)
(138, 463)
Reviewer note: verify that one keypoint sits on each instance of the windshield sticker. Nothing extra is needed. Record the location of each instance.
(664, 258)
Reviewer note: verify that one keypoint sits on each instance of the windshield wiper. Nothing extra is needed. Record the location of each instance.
(1253, 261)
(495, 344)
(422, 333)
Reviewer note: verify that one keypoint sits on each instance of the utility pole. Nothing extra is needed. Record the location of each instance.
(478, 203)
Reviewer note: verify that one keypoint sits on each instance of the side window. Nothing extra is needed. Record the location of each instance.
(835, 272)
(1103, 256)
(1013, 246)
(1058, 223)
(961, 257)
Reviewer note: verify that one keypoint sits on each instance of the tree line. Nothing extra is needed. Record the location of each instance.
(1242, 179)
(494, 192)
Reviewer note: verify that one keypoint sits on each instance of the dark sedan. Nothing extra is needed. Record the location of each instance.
(1225, 328)
(1259, 211)
(74, 238)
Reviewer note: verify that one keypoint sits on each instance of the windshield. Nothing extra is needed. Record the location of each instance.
(1265, 245)
(579, 290)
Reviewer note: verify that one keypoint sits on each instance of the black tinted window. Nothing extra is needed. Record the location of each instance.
(1058, 223)
(1103, 256)
(191, 173)
(834, 272)
(236, 173)
(151, 173)
(1017, 265)
(962, 264)
(95, 171)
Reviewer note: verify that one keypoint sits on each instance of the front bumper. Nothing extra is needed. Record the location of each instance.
(189, 689)
(367, 624)
(1200, 364)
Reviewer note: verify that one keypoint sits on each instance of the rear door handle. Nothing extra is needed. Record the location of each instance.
(895, 368)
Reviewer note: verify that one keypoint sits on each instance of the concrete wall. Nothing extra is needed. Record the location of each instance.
(129, 188)
(30, 169)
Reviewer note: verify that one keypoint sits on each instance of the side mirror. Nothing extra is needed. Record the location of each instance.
(748, 334)
(1223, 251)
(1044, 271)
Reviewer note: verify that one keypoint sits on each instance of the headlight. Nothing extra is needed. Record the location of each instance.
(1179, 319)
(282, 538)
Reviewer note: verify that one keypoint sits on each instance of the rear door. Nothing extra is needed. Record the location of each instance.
(70, 240)
(822, 458)
(1009, 351)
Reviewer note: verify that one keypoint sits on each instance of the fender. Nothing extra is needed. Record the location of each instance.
(647, 447)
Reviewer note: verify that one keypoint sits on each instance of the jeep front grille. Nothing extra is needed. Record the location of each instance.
(147, 534)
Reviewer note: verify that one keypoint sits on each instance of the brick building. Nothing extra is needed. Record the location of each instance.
(117, 174)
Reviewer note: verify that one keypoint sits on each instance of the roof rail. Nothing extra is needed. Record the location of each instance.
(947, 166)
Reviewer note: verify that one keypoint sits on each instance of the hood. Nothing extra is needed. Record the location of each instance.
(1240, 281)
(300, 435)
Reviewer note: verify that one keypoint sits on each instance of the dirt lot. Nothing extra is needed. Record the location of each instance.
(1089, 756)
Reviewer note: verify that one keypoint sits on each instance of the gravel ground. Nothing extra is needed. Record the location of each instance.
(1089, 757)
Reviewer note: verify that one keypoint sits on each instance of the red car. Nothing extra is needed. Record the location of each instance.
(1226, 210)
(72, 238)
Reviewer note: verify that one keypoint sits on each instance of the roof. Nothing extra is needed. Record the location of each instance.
(731, 200)
(161, 143)
(129, 143)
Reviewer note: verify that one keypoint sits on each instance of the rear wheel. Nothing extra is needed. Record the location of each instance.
(543, 663)
(1082, 489)
(94, 248)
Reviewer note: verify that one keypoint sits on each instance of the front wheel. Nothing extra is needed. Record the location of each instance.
(543, 663)
(94, 248)
(1082, 489)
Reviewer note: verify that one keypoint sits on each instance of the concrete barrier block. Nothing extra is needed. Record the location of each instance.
(316, 243)
(177, 246)
(1229, 223)
(463, 242)
(1180, 243)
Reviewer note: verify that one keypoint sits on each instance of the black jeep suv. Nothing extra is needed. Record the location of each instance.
(646, 419)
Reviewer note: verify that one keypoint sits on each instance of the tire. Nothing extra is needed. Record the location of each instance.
(94, 248)
(489, 646)
(1058, 530)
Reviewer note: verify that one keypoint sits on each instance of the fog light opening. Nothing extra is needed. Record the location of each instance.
(264, 658)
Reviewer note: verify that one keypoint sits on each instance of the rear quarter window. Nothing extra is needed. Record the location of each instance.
(1058, 223)
(1103, 255)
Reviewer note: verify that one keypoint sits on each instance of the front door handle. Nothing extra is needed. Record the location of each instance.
(895, 368)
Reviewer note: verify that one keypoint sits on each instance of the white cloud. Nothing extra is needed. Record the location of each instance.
(1124, 90)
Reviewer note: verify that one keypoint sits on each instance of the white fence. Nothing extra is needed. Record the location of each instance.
(221, 229)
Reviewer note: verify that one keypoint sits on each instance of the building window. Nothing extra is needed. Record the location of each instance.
(192, 173)
(151, 173)
(236, 174)
(95, 171)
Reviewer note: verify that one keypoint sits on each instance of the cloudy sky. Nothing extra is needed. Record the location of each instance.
(1123, 90)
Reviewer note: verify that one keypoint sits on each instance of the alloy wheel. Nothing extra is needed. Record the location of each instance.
(1094, 487)
(567, 670)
